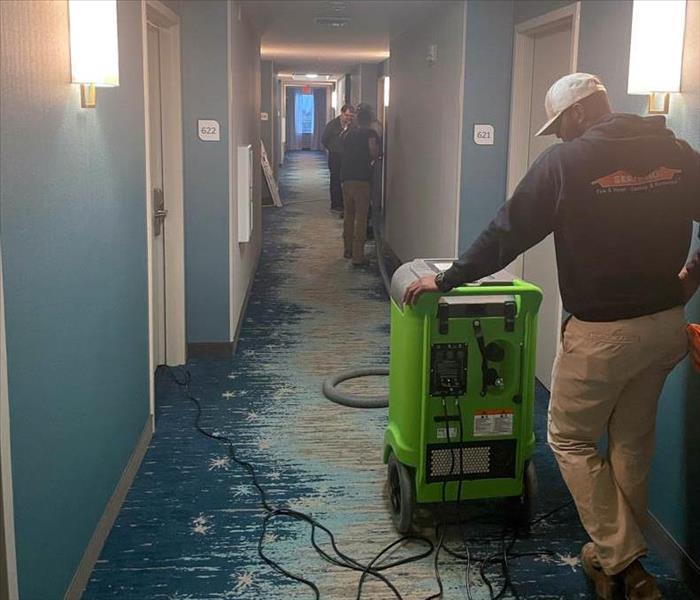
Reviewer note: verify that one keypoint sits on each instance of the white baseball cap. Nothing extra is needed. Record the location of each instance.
(566, 92)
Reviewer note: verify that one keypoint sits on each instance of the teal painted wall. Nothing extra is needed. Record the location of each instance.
(206, 185)
(605, 31)
(489, 52)
(72, 222)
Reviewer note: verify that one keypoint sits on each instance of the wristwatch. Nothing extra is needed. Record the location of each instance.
(440, 282)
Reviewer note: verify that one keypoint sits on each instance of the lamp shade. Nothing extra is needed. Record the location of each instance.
(94, 44)
(656, 50)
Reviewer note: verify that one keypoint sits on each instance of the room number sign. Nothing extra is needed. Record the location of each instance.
(208, 130)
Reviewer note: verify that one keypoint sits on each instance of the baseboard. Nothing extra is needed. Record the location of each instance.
(678, 559)
(104, 526)
(210, 350)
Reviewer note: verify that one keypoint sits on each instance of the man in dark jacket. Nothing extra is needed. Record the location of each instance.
(360, 145)
(620, 196)
(331, 141)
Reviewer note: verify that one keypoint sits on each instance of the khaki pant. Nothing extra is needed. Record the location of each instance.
(356, 207)
(608, 377)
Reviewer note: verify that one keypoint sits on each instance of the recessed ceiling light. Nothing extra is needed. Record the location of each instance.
(317, 77)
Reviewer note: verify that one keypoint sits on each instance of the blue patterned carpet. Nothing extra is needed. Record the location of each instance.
(190, 525)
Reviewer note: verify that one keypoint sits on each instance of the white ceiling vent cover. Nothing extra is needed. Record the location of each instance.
(332, 21)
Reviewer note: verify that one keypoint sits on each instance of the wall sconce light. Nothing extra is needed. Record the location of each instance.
(94, 47)
(656, 50)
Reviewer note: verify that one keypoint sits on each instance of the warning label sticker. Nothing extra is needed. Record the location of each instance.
(493, 422)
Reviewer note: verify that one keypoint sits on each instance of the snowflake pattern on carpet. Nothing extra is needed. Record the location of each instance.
(190, 525)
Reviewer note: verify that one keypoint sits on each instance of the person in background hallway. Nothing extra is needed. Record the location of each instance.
(360, 147)
(376, 178)
(331, 141)
(375, 123)
(620, 195)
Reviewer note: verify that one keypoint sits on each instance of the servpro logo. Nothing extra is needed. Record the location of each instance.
(622, 181)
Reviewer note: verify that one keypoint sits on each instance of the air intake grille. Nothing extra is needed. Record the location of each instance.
(480, 460)
(446, 461)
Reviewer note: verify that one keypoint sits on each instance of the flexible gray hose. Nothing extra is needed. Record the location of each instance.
(332, 393)
(330, 385)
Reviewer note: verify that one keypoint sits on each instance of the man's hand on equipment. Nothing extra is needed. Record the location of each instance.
(690, 285)
(419, 287)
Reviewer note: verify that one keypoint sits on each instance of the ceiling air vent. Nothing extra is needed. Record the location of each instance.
(336, 22)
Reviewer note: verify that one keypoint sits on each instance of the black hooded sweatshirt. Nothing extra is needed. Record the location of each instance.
(621, 200)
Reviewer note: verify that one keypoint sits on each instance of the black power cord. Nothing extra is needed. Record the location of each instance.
(344, 561)
(438, 535)
(340, 559)
(505, 553)
(459, 499)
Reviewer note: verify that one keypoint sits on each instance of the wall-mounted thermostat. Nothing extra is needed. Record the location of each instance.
(483, 135)
(208, 130)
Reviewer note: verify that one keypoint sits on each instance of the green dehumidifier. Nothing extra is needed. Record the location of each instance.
(461, 392)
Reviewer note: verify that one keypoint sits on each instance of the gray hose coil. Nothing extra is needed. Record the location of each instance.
(332, 393)
(330, 385)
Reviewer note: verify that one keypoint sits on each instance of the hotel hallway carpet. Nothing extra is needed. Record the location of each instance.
(190, 525)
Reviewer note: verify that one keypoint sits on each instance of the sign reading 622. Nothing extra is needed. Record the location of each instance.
(208, 130)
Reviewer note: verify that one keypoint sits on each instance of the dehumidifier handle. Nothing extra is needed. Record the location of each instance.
(489, 375)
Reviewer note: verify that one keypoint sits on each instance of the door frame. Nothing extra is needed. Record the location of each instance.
(521, 96)
(168, 22)
(460, 126)
(8, 553)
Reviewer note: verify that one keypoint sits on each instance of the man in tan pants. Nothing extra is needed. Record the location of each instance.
(607, 378)
(620, 196)
(360, 145)
(356, 201)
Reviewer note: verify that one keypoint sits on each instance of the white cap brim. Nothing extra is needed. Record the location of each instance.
(550, 126)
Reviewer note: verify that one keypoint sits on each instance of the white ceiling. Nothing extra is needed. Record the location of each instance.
(295, 42)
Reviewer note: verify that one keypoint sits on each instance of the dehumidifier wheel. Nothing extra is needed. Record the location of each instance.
(523, 507)
(401, 494)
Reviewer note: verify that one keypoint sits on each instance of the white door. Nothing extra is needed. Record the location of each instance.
(551, 60)
(158, 195)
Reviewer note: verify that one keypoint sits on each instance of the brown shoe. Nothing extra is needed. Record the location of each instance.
(639, 585)
(604, 584)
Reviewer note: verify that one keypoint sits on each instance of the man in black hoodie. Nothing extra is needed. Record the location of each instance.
(620, 197)
(331, 141)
